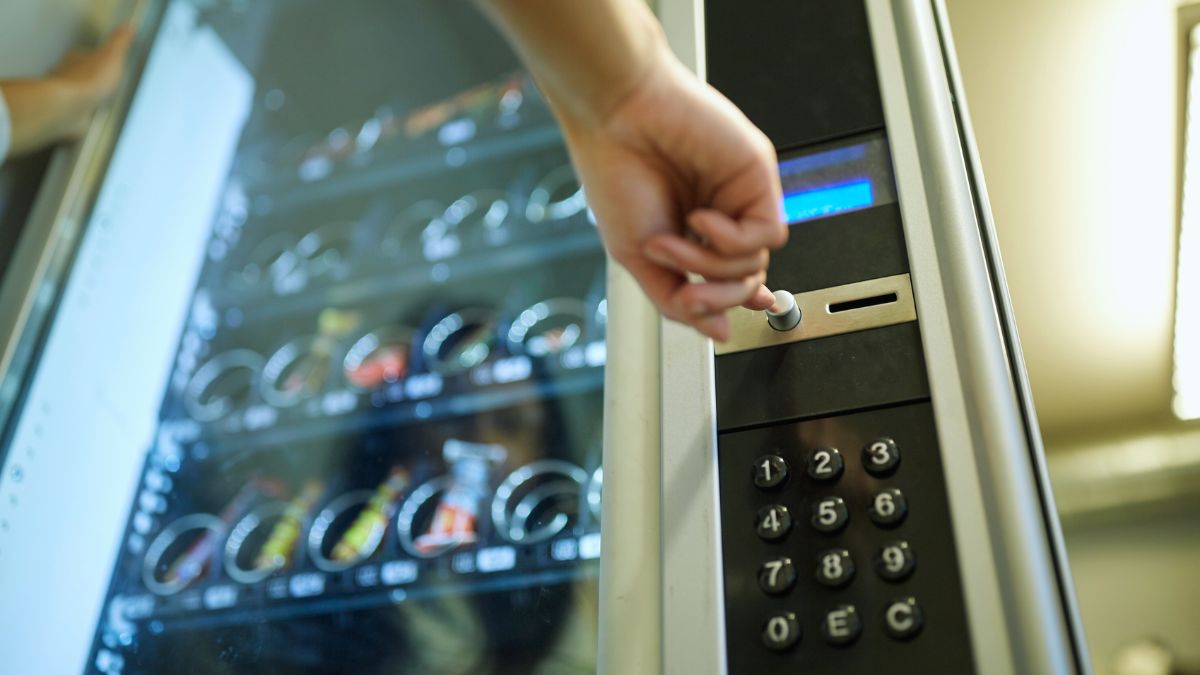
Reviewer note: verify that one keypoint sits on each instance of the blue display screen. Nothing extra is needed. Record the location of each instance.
(826, 181)
(823, 201)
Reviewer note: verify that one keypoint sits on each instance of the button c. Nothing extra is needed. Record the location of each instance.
(902, 619)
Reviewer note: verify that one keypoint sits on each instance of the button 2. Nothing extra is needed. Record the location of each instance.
(888, 507)
(842, 625)
(880, 457)
(835, 568)
(770, 471)
(825, 464)
(902, 618)
(781, 632)
(777, 576)
(895, 561)
(774, 522)
(830, 514)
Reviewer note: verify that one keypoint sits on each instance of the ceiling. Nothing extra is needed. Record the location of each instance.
(1074, 104)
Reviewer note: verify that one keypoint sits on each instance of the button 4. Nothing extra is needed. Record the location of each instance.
(880, 457)
(777, 576)
(895, 561)
(825, 464)
(781, 632)
(770, 471)
(835, 568)
(774, 522)
(830, 514)
(902, 618)
(841, 625)
(888, 507)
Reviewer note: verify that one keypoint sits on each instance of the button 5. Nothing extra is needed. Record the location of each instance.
(888, 507)
(770, 471)
(835, 568)
(777, 576)
(774, 522)
(825, 464)
(841, 625)
(830, 514)
(902, 618)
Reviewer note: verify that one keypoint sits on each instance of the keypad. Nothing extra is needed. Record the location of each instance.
(825, 464)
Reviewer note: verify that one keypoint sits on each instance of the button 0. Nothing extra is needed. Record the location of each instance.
(841, 625)
(830, 514)
(880, 457)
(770, 471)
(888, 508)
(777, 576)
(825, 464)
(835, 568)
(895, 561)
(902, 618)
(781, 632)
(774, 522)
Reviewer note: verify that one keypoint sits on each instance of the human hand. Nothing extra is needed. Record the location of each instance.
(681, 182)
(91, 77)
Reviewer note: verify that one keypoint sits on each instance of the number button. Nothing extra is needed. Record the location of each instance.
(781, 632)
(888, 508)
(835, 568)
(830, 514)
(880, 457)
(825, 464)
(895, 561)
(777, 576)
(841, 625)
(770, 471)
(902, 618)
(774, 522)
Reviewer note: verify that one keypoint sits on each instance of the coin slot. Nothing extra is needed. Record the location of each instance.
(861, 303)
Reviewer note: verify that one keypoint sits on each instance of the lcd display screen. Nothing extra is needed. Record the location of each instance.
(836, 178)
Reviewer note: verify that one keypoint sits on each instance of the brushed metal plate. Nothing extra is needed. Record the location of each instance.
(751, 331)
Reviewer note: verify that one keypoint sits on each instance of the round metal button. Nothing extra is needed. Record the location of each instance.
(770, 471)
(825, 464)
(880, 457)
(781, 631)
(774, 522)
(888, 507)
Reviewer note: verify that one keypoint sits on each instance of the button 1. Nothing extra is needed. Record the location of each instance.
(835, 568)
(774, 522)
(830, 514)
(902, 618)
(781, 631)
(770, 471)
(895, 561)
(888, 507)
(777, 576)
(825, 464)
(881, 456)
(842, 625)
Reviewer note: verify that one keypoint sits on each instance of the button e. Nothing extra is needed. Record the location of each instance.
(825, 464)
(781, 632)
(774, 522)
(770, 471)
(902, 618)
(841, 625)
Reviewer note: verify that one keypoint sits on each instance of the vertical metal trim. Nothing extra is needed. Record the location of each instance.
(973, 392)
(692, 586)
(630, 558)
(1012, 340)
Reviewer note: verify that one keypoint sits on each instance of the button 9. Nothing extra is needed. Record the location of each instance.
(895, 561)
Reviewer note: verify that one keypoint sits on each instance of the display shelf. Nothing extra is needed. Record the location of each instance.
(286, 192)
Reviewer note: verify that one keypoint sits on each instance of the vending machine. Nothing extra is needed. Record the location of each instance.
(857, 485)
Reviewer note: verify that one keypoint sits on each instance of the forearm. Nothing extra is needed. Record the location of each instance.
(43, 111)
(586, 55)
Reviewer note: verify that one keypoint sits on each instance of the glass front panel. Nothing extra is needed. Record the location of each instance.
(323, 391)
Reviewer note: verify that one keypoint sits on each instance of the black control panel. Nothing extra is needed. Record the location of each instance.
(838, 548)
